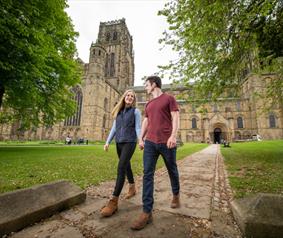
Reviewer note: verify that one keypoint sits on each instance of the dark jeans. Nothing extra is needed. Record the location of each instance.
(150, 156)
(125, 152)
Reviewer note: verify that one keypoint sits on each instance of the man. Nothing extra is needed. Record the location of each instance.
(158, 137)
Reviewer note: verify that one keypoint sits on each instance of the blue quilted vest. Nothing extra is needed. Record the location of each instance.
(125, 126)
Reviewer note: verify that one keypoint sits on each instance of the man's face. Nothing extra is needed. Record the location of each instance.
(149, 87)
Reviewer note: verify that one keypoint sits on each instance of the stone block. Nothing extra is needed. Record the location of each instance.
(260, 215)
(23, 207)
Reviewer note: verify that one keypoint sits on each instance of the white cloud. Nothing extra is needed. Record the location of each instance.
(142, 21)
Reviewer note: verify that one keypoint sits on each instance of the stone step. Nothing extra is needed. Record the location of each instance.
(259, 215)
(23, 207)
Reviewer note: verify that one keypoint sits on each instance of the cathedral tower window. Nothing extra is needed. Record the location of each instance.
(108, 36)
(272, 121)
(115, 36)
(107, 65)
(240, 122)
(112, 65)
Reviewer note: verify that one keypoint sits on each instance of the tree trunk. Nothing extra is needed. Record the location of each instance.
(2, 90)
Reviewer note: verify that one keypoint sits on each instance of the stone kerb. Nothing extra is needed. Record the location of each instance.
(260, 215)
(23, 207)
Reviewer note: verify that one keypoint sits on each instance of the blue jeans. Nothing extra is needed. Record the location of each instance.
(150, 157)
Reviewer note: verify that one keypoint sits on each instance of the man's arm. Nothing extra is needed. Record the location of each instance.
(172, 141)
(143, 132)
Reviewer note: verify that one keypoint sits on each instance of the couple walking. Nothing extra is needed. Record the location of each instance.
(157, 136)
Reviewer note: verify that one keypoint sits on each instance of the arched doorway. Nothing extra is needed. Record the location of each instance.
(217, 133)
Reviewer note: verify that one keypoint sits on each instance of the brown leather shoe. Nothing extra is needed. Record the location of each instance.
(132, 191)
(175, 201)
(110, 208)
(142, 221)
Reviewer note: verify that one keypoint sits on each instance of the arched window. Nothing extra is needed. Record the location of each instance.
(272, 121)
(115, 35)
(194, 123)
(108, 35)
(105, 103)
(104, 121)
(240, 122)
(107, 65)
(75, 120)
(112, 64)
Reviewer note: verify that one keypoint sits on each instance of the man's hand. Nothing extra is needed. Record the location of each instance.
(141, 144)
(106, 146)
(171, 142)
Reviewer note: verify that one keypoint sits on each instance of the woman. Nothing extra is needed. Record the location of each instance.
(126, 129)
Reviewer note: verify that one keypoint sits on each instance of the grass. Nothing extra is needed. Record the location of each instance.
(255, 167)
(42, 142)
(27, 165)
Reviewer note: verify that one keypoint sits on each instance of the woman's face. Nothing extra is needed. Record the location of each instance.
(130, 98)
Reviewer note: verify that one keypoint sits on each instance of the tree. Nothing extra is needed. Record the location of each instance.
(37, 65)
(219, 42)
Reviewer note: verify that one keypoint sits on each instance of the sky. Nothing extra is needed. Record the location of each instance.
(142, 21)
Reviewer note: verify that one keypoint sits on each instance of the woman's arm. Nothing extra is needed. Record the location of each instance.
(138, 122)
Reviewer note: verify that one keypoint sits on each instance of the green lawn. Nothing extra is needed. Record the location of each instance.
(25, 165)
(255, 167)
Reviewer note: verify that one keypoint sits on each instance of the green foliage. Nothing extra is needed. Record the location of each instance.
(24, 166)
(37, 66)
(219, 42)
(255, 167)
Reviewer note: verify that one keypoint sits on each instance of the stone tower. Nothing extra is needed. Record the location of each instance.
(115, 38)
(93, 85)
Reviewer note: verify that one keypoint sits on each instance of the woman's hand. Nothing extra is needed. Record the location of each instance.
(106, 146)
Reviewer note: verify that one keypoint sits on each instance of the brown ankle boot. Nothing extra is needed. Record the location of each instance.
(175, 201)
(142, 221)
(110, 208)
(132, 191)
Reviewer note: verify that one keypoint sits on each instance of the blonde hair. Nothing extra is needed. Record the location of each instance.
(121, 104)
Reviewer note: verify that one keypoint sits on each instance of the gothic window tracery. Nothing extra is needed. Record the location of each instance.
(75, 120)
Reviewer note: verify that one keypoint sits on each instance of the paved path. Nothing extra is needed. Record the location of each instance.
(204, 211)
(196, 182)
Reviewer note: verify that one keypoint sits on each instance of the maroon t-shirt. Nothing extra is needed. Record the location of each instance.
(158, 111)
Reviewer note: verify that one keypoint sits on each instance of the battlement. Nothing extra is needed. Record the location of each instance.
(113, 22)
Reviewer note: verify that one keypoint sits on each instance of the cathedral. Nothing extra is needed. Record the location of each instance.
(110, 71)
